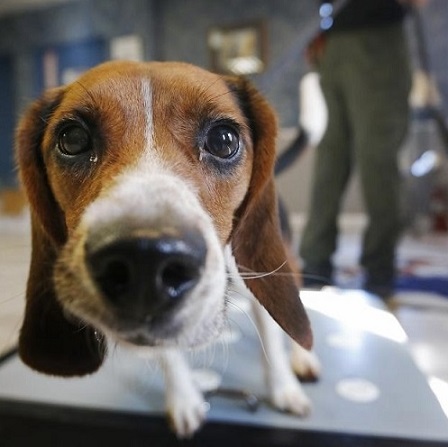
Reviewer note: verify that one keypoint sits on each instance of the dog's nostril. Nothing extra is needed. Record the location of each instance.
(178, 277)
(115, 278)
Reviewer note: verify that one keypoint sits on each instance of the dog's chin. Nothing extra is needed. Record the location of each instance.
(152, 332)
(171, 335)
(167, 331)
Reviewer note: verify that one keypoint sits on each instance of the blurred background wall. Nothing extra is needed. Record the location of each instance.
(76, 34)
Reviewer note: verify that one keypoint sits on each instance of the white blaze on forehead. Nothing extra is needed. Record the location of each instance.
(146, 92)
(147, 194)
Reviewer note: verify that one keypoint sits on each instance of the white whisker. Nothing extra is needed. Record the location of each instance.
(252, 322)
(250, 274)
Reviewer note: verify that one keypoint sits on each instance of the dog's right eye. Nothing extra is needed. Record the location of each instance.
(222, 141)
(74, 140)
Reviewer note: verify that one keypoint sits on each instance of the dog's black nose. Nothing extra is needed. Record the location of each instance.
(146, 275)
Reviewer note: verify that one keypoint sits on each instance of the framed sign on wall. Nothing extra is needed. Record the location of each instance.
(238, 49)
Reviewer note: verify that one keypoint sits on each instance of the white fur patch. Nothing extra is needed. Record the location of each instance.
(148, 111)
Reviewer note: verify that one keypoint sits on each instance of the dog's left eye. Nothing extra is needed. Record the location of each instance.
(74, 140)
(222, 141)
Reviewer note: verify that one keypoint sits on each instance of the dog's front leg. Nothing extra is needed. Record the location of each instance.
(184, 401)
(285, 390)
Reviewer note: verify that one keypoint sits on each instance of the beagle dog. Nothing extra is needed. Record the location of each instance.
(148, 183)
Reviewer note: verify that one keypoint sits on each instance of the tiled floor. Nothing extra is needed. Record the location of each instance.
(14, 259)
(423, 315)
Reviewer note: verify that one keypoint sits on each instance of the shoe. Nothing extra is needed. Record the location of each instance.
(380, 284)
(383, 291)
(317, 277)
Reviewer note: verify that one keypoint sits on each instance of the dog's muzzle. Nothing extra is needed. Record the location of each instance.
(144, 274)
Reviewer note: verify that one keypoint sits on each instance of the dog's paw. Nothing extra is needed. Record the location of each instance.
(305, 364)
(291, 398)
(186, 412)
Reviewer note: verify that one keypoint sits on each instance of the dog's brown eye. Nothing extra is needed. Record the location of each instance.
(222, 141)
(74, 140)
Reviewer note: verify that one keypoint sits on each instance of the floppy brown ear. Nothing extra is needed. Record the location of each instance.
(256, 239)
(49, 341)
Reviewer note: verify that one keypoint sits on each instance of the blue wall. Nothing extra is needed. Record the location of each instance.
(6, 121)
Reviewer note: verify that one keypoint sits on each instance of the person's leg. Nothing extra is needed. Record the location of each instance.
(331, 172)
(379, 109)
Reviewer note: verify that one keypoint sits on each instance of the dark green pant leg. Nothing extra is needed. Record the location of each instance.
(378, 103)
(331, 172)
